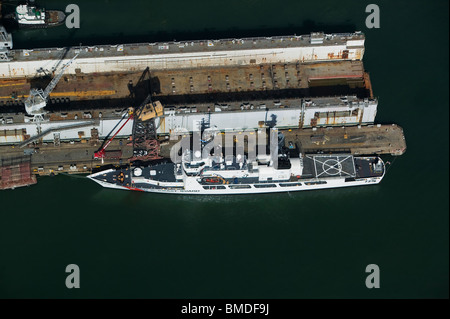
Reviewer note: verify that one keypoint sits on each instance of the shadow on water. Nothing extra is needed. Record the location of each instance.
(195, 209)
(72, 38)
(300, 197)
(231, 33)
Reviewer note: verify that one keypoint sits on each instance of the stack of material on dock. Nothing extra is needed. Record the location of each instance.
(16, 172)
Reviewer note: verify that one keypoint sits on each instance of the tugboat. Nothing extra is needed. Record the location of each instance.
(28, 15)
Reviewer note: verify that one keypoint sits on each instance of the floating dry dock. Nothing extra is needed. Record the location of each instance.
(313, 88)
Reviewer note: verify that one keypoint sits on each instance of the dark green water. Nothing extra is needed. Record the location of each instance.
(303, 245)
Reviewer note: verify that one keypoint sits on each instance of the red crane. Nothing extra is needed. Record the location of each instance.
(101, 152)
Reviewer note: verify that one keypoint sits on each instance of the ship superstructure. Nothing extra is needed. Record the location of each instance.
(28, 15)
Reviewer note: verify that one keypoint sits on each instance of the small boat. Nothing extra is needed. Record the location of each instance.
(29, 15)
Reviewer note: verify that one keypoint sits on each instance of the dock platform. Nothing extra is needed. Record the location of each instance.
(78, 157)
(357, 140)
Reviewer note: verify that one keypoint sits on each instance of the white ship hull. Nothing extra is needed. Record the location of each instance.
(316, 172)
(278, 189)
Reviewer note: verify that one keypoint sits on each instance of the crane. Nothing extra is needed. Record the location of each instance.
(146, 111)
(37, 100)
(101, 153)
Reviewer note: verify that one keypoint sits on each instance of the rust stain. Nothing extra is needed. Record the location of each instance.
(345, 54)
(83, 93)
(12, 83)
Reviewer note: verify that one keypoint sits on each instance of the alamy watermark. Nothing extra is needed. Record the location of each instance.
(73, 17)
(73, 280)
(373, 280)
(373, 19)
(238, 143)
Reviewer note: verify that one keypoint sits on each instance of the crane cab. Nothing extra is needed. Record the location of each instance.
(151, 110)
